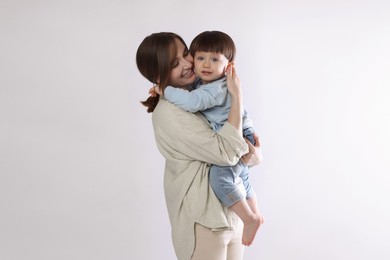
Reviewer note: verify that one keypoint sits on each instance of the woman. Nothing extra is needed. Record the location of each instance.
(201, 227)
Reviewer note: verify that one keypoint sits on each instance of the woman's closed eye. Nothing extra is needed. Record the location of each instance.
(175, 63)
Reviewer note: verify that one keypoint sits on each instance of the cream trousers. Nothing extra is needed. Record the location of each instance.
(218, 245)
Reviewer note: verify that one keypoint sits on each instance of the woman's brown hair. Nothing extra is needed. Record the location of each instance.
(155, 56)
(214, 41)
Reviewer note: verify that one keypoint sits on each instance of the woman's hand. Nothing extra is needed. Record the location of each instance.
(254, 156)
(233, 82)
(234, 88)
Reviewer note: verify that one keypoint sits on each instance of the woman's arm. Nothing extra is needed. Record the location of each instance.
(182, 135)
(254, 156)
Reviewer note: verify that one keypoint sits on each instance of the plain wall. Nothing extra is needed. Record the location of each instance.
(81, 176)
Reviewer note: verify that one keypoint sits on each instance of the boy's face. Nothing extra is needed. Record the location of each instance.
(210, 66)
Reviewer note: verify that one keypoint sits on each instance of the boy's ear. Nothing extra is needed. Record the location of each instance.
(230, 64)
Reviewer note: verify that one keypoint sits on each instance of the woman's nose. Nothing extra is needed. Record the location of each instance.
(189, 58)
(188, 63)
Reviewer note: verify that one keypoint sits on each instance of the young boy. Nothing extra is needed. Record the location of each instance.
(213, 51)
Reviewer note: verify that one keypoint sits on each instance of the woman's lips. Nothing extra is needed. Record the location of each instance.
(188, 74)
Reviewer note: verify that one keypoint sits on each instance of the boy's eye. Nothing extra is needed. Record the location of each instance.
(199, 58)
(215, 59)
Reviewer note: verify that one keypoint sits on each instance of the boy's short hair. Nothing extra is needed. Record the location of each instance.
(214, 41)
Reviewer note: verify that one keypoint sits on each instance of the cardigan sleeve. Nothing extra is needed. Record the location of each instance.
(187, 136)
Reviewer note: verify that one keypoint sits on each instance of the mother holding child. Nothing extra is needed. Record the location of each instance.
(199, 125)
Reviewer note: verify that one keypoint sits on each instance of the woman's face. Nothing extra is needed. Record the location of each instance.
(182, 73)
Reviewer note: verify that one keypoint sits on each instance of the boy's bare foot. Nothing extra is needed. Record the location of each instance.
(250, 230)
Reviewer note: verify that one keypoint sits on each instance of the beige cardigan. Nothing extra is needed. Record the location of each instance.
(189, 146)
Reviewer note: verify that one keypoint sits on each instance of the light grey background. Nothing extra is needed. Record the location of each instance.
(81, 177)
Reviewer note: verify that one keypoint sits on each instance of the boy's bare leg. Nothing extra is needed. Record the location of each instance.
(252, 202)
(251, 221)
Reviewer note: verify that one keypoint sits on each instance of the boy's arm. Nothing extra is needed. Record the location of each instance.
(247, 123)
(246, 120)
(198, 99)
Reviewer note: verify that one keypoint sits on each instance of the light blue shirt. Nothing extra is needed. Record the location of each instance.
(212, 100)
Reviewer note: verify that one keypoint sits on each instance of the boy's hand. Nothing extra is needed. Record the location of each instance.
(155, 90)
(257, 140)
